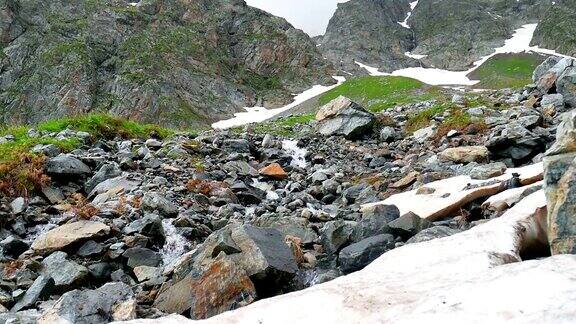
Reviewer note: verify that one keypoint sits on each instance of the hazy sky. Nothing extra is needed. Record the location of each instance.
(311, 16)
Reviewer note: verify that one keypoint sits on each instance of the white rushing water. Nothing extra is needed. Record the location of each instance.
(298, 153)
(260, 114)
(268, 188)
(518, 43)
(175, 246)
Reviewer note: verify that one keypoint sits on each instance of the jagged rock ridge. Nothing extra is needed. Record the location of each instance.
(173, 62)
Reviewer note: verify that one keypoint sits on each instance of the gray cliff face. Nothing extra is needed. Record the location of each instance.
(367, 31)
(557, 28)
(174, 62)
(452, 33)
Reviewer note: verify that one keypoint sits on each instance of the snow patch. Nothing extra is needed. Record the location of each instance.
(260, 114)
(415, 56)
(405, 22)
(518, 43)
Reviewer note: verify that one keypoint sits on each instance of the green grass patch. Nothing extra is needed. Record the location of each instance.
(383, 92)
(507, 71)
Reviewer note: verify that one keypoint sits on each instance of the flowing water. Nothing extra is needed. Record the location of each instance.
(298, 153)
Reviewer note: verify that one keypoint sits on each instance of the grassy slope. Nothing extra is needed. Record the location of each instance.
(380, 93)
(507, 71)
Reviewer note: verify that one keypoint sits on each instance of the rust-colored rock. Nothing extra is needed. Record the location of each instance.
(274, 171)
(406, 181)
(222, 287)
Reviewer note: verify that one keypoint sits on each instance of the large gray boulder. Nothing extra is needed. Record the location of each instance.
(111, 302)
(66, 273)
(358, 255)
(66, 166)
(231, 268)
(344, 117)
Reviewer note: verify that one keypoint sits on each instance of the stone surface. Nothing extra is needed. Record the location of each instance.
(68, 234)
(40, 289)
(66, 166)
(408, 225)
(274, 171)
(111, 302)
(465, 154)
(154, 202)
(66, 274)
(344, 117)
(358, 255)
(487, 171)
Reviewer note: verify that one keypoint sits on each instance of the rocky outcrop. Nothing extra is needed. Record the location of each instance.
(171, 62)
(367, 31)
(344, 117)
(557, 29)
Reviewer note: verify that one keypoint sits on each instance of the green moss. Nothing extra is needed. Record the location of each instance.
(260, 82)
(69, 53)
(423, 118)
(507, 71)
(384, 92)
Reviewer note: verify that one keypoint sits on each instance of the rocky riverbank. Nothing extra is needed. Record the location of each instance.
(198, 225)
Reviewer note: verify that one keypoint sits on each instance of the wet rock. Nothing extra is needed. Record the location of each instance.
(236, 145)
(137, 256)
(18, 205)
(111, 302)
(344, 117)
(408, 225)
(90, 248)
(336, 235)
(465, 154)
(487, 171)
(154, 202)
(66, 274)
(432, 233)
(274, 171)
(40, 289)
(107, 171)
(69, 234)
(13, 246)
(358, 255)
(222, 286)
(66, 166)
(150, 226)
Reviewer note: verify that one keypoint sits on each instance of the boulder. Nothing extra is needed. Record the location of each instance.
(358, 255)
(18, 205)
(66, 166)
(13, 246)
(566, 86)
(223, 286)
(40, 289)
(66, 273)
(68, 234)
(290, 225)
(228, 270)
(154, 202)
(344, 117)
(336, 235)
(107, 171)
(465, 154)
(408, 225)
(487, 171)
(236, 145)
(111, 302)
(375, 221)
(273, 171)
(432, 233)
(560, 188)
(424, 134)
(150, 226)
(138, 256)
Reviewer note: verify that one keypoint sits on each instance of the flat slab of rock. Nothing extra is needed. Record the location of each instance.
(465, 154)
(274, 171)
(68, 234)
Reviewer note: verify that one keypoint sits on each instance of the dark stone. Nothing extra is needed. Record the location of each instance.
(40, 289)
(358, 255)
(141, 257)
(408, 225)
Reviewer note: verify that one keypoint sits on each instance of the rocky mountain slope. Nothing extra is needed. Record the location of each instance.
(173, 62)
(557, 28)
(130, 221)
(451, 33)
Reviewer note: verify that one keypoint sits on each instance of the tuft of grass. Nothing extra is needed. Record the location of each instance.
(423, 118)
(105, 126)
(22, 171)
(383, 92)
(507, 71)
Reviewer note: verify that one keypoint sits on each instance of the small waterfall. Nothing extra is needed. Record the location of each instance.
(175, 246)
(298, 154)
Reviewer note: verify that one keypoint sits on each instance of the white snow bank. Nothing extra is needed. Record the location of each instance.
(415, 56)
(260, 114)
(518, 43)
(405, 22)
(508, 197)
(464, 278)
(450, 194)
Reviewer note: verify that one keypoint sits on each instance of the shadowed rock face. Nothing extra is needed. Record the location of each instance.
(170, 61)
